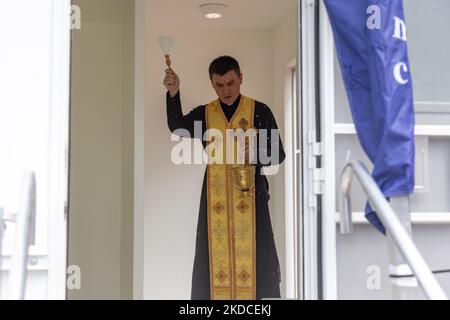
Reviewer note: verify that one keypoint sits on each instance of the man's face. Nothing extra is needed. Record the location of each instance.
(228, 86)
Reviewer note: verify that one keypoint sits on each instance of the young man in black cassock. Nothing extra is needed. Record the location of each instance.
(235, 255)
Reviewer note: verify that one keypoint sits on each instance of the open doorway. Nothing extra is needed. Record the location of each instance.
(262, 36)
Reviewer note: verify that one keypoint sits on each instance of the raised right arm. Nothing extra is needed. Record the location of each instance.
(176, 120)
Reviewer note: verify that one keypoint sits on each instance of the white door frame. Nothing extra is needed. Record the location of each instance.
(327, 97)
(292, 183)
(308, 241)
(59, 157)
(318, 227)
(139, 147)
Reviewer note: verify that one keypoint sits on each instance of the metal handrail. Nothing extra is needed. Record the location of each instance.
(392, 224)
(25, 235)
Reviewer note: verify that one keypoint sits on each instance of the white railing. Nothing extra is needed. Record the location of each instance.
(24, 236)
(392, 224)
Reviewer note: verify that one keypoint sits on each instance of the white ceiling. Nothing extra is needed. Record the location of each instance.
(240, 13)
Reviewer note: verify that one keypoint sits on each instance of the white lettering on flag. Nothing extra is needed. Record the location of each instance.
(400, 29)
(401, 66)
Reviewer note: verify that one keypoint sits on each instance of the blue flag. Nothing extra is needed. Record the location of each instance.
(370, 37)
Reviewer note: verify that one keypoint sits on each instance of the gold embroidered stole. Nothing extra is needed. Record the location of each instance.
(231, 213)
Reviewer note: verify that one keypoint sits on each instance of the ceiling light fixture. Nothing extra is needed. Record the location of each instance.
(213, 10)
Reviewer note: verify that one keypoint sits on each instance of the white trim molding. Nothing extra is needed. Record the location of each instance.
(419, 218)
(432, 107)
(329, 258)
(420, 130)
(290, 174)
(308, 246)
(139, 148)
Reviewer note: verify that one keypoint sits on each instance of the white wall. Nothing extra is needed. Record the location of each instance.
(285, 50)
(101, 150)
(172, 193)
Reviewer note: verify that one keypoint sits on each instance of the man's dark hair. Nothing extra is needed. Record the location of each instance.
(223, 65)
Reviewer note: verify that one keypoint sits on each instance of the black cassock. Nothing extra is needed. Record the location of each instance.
(267, 264)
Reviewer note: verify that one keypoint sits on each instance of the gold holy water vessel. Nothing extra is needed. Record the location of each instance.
(244, 174)
(244, 178)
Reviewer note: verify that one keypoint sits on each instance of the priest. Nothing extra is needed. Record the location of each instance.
(235, 254)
